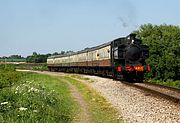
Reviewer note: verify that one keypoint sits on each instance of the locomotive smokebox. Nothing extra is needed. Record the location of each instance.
(132, 53)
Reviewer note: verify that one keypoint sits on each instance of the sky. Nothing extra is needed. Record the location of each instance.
(48, 26)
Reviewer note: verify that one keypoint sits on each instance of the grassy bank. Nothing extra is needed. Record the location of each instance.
(33, 97)
(33, 66)
(175, 84)
(101, 111)
(12, 60)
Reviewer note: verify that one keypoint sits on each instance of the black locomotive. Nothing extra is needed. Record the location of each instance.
(129, 57)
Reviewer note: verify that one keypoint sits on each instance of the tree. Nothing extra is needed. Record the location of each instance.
(55, 53)
(35, 54)
(62, 52)
(164, 49)
(37, 58)
(15, 57)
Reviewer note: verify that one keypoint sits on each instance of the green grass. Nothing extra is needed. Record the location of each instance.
(33, 66)
(13, 60)
(36, 98)
(171, 83)
(8, 76)
(101, 111)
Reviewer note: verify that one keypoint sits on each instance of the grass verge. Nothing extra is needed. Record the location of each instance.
(101, 111)
(36, 98)
(171, 83)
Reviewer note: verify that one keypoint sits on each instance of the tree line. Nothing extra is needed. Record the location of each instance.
(164, 50)
(12, 57)
(42, 58)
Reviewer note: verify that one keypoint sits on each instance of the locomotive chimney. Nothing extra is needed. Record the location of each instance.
(132, 36)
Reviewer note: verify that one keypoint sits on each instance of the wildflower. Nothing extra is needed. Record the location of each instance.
(17, 88)
(33, 90)
(34, 110)
(22, 109)
(4, 103)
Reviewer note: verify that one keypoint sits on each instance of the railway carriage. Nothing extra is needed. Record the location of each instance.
(122, 58)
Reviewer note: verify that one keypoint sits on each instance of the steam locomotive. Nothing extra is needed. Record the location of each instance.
(122, 58)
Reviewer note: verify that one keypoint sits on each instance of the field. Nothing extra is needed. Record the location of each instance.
(32, 97)
(13, 60)
(28, 97)
(32, 66)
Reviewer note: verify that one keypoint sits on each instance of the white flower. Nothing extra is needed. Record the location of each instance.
(33, 90)
(4, 103)
(22, 109)
(17, 88)
(34, 110)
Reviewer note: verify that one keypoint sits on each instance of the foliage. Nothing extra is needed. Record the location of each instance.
(16, 57)
(12, 60)
(40, 67)
(171, 83)
(32, 66)
(8, 75)
(164, 50)
(8, 78)
(37, 58)
(7, 67)
(12, 57)
(36, 98)
(42, 58)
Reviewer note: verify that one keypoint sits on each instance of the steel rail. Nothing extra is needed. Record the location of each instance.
(172, 94)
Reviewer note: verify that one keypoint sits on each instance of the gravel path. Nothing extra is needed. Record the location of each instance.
(133, 104)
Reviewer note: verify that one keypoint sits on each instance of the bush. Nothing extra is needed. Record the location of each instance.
(40, 67)
(7, 67)
(8, 78)
(8, 75)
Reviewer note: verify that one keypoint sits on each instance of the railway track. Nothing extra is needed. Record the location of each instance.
(170, 93)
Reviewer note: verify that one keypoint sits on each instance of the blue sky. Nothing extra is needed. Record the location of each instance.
(48, 26)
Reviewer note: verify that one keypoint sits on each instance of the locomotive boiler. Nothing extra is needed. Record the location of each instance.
(123, 58)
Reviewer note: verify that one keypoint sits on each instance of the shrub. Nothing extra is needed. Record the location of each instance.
(8, 78)
(7, 67)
